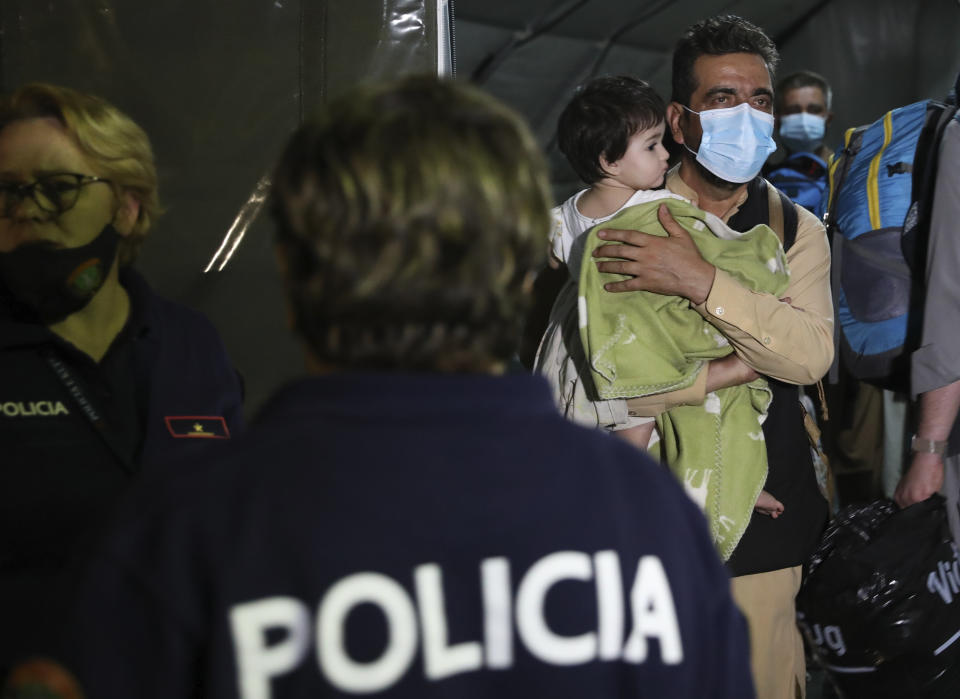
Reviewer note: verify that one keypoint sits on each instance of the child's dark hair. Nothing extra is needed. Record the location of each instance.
(600, 119)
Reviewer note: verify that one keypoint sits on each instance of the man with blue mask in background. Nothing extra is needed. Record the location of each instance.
(802, 113)
(721, 114)
(803, 103)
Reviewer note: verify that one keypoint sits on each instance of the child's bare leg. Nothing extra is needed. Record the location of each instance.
(638, 436)
(768, 505)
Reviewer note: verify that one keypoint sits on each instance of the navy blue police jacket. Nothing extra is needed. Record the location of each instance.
(165, 389)
(411, 536)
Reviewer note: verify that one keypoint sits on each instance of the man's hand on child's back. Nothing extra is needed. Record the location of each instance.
(670, 265)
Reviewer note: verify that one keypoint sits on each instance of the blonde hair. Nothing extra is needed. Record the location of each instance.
(412, 216)
(117, 147)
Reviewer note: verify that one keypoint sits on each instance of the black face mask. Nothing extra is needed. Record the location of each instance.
(44, 284)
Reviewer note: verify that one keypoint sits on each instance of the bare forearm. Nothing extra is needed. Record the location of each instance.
(729, 371)
(938, 412)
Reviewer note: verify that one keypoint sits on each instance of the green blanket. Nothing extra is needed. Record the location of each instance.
(641, 343)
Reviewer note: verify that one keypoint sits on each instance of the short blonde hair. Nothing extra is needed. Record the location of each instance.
(112, 141)
(412, 216)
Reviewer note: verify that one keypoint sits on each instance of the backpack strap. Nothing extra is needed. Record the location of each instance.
(767, 205)
(837, 172)
(783, 218)
(776, 213)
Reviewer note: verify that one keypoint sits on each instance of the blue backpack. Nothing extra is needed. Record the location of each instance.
(881, 191)
(803, 178)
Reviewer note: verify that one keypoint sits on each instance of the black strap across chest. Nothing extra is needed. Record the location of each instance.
(756, 210)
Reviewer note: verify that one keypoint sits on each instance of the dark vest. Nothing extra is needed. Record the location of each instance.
(772, 544)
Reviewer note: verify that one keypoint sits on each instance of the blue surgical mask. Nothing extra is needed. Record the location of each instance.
(736, 141)
(802, 131)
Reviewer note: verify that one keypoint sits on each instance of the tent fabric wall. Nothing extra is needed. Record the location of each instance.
(218, 87)
(878, 54)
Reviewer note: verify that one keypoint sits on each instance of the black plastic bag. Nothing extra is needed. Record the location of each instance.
(880, 601)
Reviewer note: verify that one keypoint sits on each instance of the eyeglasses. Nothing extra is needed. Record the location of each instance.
(54, 193)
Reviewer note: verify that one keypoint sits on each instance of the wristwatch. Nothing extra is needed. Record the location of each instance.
(927, 446)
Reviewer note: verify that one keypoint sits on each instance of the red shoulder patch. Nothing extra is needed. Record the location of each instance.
(41, 677)
(197, 427)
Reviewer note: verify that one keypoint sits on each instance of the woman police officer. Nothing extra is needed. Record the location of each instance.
(100, 379)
